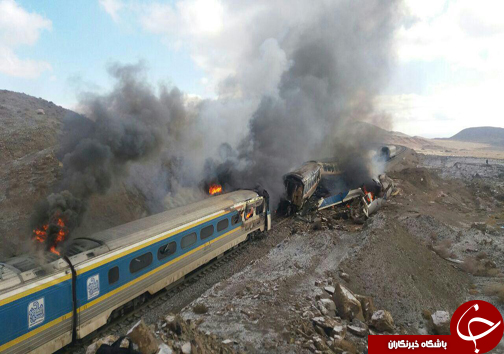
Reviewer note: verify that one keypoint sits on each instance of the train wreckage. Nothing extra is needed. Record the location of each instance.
(319, 185)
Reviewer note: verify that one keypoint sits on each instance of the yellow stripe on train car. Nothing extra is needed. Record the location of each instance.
(143, 245)
(109, 294)
(35, 331)
(154, 271)
(107, 260)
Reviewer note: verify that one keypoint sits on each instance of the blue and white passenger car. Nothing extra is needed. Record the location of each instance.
(44, 307)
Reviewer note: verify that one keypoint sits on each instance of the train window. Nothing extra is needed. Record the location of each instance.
(166, 250)
(140, 262)
(222, 225)
(188, 240)
(113, 275)
(235, 219)
(206, 232)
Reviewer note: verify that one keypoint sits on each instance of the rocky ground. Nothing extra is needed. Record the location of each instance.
(316, 286)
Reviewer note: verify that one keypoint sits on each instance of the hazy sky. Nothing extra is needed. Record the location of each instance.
(449, 71)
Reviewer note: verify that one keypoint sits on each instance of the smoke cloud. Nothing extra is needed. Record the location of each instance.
(290, 89)
(338, 60)
(130, 125)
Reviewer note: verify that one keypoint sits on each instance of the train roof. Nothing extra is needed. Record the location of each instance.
(19, 269)
(141, 229)
(305, 171)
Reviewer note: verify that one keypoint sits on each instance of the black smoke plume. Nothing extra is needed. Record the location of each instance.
(339, 62)
(131, 124)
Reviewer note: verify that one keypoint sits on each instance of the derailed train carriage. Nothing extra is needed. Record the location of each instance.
(302, 183)
(44, 308)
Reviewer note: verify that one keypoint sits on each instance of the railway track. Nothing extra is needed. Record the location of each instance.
(139, 307)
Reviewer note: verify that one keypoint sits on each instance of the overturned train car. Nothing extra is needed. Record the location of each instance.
(302, 183)
(45, 307)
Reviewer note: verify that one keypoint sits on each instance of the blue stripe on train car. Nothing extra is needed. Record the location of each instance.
(332, 200)
(32, 311)
(94, 283)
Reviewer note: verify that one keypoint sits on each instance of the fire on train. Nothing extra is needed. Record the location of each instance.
(46, 307)
(301, 184)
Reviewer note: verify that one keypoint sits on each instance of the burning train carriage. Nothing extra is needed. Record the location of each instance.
(45, 308)
(302, 183)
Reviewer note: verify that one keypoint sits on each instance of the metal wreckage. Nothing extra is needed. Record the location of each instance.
(319, 185)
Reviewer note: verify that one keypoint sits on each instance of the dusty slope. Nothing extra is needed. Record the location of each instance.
(30, 170)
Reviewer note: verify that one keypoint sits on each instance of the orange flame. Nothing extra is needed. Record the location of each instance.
(368, 195)
(250, 213)
(215, 189)
(40, 235)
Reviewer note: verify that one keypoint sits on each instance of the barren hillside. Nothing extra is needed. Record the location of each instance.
(30, 131)
(485, 135)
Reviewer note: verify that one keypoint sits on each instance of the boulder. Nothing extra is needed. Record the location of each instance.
(328, 326)
(320, 344)
(322, 308)
(141, 335)
(40, 111)
(357, 330)
(346, 303)
(329, 289)
(186, 348)
(324, 322)
(340, 346)
(339, 331)
(328, 304)
(440, 322)
(164, 349)
(367, 306)
(382, 320)
(345, 277)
